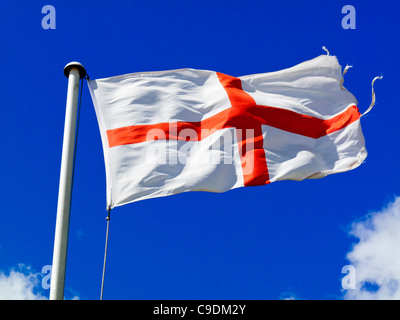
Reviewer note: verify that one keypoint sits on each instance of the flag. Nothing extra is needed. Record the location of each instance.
(175, 131)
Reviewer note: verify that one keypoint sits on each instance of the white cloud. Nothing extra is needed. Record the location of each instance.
(21, 284)
(288, 295)
(376, 257)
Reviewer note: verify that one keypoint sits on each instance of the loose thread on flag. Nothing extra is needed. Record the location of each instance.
(327, 51)
(105, 253)
(346, 69)
(344, 72)
(373, 96)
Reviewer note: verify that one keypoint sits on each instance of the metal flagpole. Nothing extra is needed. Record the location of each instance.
(74, 71)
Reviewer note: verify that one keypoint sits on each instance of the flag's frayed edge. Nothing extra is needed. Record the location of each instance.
(346, 69)
(373, 96)
(373, 100)
(344, 72)
(327, 51)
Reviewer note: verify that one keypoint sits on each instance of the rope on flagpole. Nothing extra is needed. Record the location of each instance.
(105, 254)
(108, 228)
(108, 218)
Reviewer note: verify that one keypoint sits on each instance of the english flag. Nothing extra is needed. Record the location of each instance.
(169, 132)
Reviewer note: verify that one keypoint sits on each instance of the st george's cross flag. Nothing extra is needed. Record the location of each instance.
(169, 132)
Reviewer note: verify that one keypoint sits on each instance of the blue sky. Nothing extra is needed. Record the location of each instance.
(284, 240)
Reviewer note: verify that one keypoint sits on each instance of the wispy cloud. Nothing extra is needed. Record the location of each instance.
(376, 256)
(20, 283)
(23, 283)
(288, 295)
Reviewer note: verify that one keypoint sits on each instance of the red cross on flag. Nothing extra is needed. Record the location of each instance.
(174, 131)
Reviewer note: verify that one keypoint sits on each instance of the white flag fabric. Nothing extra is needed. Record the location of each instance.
(182, 130)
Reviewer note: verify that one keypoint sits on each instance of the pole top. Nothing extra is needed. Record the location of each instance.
(75, 64)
